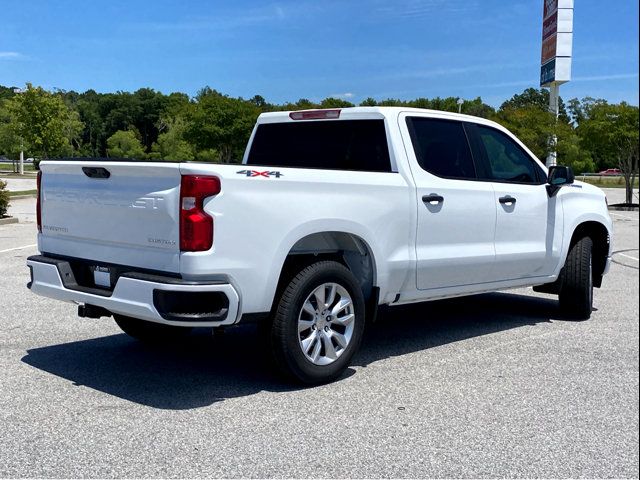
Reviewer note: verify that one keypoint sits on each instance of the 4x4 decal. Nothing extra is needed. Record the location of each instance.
(258, 173)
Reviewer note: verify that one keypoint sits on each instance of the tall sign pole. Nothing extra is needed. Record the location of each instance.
(557, 49)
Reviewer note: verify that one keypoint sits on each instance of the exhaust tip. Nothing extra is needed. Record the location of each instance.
(91, 311)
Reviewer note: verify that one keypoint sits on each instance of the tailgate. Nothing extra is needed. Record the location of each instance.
(130, 218)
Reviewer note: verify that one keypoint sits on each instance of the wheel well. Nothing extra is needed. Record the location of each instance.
(600, 238)
(345, 248)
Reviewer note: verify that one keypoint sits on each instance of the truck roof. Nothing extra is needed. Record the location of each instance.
(362, 113)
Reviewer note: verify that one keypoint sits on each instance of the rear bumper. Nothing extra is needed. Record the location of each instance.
(155, 298)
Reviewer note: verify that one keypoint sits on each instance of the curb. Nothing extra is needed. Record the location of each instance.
(18, 197)
(8, 220)
(26, 176)
(619, 209)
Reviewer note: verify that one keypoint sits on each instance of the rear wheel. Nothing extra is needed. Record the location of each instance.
(318, 323)
(576, 291)
(149, 332)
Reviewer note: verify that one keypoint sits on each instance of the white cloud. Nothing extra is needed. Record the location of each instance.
(280, 13)
(423, 8)
(449, 71)
(226, 19)
(600, 78)
(10, 55)
(346, 95)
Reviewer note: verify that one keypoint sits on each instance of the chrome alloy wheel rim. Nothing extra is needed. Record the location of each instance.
(325, 323)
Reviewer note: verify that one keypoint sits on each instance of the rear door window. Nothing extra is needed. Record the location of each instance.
(441, 147)
(359, 145)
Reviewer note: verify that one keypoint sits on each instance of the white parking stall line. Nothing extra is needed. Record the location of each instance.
(629, 256)
(18, 248)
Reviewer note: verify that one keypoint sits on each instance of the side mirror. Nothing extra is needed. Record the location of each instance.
(558, 177)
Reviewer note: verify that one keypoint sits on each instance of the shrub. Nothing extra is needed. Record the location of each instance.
(4, 199)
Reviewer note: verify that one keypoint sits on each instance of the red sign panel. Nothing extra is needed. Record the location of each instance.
(550, 7)
(550, 26)
(548, 49)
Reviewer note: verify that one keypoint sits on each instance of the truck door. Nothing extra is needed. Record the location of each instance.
(529, 224)
(456, 212)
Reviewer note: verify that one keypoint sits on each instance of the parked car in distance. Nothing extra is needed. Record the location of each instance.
(333, 213)
(611, 171)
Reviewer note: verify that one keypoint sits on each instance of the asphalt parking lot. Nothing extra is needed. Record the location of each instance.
(495, 385)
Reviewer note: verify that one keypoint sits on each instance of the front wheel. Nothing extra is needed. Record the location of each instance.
(576, 291)
(318, 323)
(149, 332)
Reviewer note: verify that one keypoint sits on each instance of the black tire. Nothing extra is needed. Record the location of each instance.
(150, 332)
(576, 291)
(285, 338)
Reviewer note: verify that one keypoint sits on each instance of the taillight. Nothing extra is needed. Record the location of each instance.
(39, 201)
(196, 227)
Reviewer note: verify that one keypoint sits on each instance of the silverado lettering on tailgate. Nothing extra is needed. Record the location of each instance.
(151, 202)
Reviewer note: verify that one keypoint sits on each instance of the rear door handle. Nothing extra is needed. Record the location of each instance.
(507, 200)
(432, 198)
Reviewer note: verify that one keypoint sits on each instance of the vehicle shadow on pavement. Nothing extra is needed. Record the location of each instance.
(420, 326)
(202, 370)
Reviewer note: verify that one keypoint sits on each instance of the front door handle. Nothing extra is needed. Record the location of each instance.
(507, 200)
(432, 198)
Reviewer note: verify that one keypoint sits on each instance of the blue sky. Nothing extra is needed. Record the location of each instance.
(285, 50)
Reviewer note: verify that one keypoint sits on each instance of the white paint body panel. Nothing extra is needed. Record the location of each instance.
(131, 218)
(257, 220)
(529, 233)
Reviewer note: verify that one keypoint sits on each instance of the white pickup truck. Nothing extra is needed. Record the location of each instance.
(331, 214)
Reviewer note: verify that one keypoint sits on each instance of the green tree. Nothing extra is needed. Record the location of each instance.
(368, 102)
(570, 151)
(125, 144)
(304, 104)
(93, 135)
(208, 155)
(221, 123)
(474, 107)
(527, 115)
(580, 110)
(7, 93)
(9, 140)
(151, 105)
(4, 199)
(533, 97)
(478, 108)
(47, 126)
(610, 133)
(171, 144)
(531, 124)
(332, 102)
(392, 102)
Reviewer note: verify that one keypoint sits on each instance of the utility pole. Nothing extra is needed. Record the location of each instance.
(21, 164)
(21, 169)
(554, 108)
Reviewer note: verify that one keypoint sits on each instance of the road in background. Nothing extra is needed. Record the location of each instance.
(494, 385)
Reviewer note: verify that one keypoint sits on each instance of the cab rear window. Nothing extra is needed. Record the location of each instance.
(357, 145)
